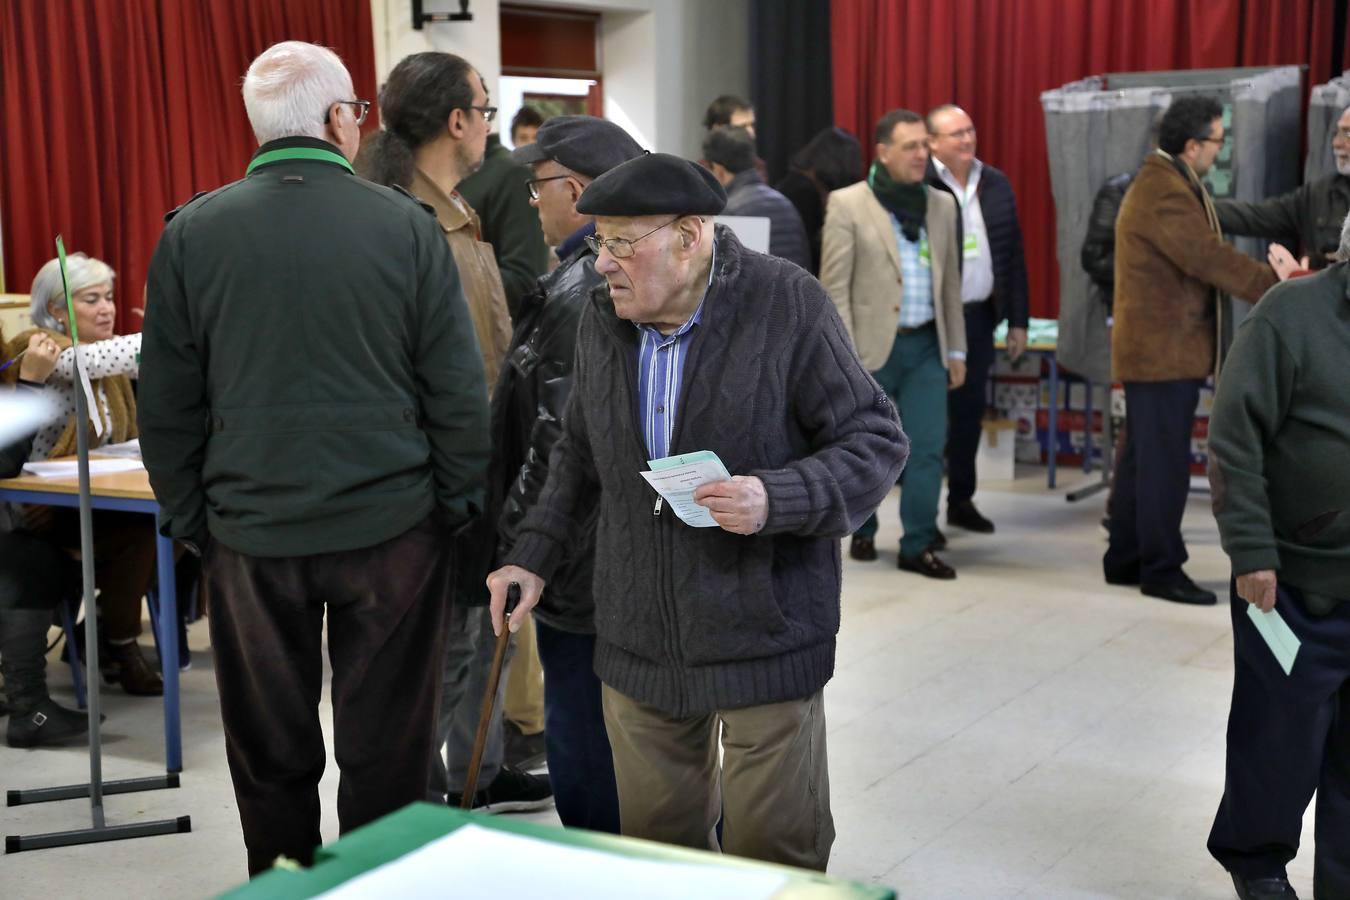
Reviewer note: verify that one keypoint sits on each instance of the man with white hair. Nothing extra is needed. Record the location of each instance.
(1278, 441)
(313, 416)
(1309, 216)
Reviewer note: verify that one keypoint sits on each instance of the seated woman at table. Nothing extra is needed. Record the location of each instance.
(124, 543)
(34, 576)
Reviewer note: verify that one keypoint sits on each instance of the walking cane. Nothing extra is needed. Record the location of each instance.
(489, 699)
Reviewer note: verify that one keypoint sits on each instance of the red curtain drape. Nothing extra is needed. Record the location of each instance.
(995, 57)
(115, 113)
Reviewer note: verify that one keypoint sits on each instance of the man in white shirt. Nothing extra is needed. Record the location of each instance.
(993, 288)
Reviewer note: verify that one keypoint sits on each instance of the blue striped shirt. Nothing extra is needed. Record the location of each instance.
(661, 361)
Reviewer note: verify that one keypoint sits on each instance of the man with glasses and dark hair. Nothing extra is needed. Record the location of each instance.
(993, 289)
(1308, 217)
(728, 628)
(1172, 270)
(313, 416)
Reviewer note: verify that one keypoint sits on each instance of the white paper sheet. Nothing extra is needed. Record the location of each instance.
(82, 375)
(676, 485)
(126, 450)
(70, 468)
(483, 862)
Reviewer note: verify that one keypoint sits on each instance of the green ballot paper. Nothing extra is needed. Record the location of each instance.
(1277, 635)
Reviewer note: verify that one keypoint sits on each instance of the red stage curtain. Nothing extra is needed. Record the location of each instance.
(995, 57)
(115, 113)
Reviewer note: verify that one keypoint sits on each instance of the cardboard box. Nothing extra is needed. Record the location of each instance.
(997, 456)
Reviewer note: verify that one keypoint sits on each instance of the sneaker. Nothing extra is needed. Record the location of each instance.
(511, 791)
(523, 751)
(46, 724)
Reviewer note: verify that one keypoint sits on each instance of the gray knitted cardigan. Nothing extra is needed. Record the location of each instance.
(691, 620)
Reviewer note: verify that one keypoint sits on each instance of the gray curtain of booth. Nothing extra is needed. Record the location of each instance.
(1095, 133)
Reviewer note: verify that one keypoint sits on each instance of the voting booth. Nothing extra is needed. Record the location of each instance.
(1099, 127)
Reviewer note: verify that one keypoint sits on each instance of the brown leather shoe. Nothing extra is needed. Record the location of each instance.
(134, 673)
(862, 549)
(928, 565)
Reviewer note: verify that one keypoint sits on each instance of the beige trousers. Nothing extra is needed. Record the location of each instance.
(524, 703)
(772, 789)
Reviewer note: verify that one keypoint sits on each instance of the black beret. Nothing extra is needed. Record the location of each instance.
(653, 185)
(585, 144)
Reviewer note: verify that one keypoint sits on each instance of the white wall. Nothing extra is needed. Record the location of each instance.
(662, 60)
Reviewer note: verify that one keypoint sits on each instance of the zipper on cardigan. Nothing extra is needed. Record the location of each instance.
(656, 510)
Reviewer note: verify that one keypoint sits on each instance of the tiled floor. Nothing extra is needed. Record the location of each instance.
(1024, 731)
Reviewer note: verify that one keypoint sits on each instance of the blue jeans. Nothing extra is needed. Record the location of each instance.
(580, 764)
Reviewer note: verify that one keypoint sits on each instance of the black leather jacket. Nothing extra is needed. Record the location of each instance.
(1310, 216)
(1099, 246)
(527, 411)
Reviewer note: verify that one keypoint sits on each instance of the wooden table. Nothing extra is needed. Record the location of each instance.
(124, 492)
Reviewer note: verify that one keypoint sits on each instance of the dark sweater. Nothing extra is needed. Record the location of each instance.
(1279, 439)
(748, 195)
(691, 620)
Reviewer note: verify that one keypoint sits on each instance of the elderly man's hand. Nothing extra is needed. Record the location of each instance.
(1258, 589)
(1017, 343)
(531, 589)
(740, 505)
(956, 372)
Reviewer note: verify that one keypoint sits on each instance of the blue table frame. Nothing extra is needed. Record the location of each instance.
(167, 620)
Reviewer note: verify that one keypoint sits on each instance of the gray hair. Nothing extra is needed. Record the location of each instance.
(289, 88)
(82, 270)
(1342, 254)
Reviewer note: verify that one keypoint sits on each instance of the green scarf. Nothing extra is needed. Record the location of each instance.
(908, 202)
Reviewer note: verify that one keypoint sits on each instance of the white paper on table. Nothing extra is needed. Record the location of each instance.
(482, 862)
(126, 450)
(678, 483)
(82, 373)
(69, 468)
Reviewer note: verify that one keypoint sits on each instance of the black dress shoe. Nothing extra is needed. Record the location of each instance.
(1183, 591)
(963, 514)
(1127, 576)
(862, 549)
(939, 542)
(928, 565)
(1264, 888)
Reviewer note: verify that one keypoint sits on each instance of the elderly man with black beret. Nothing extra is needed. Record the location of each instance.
(701, 345)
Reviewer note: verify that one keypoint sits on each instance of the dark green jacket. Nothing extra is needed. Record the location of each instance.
(1308, 217)
(1279, 438)
(510, 224)
(310, 380)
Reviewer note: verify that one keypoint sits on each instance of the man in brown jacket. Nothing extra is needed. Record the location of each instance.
(1172, 266)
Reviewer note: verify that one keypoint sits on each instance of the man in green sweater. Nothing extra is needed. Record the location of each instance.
(1279, 444)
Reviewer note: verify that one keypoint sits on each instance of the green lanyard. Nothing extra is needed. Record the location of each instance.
(272, 156)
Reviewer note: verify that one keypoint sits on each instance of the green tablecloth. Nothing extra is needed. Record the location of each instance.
(421, 823)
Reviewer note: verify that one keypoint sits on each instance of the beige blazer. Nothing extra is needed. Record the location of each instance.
(860, 267)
